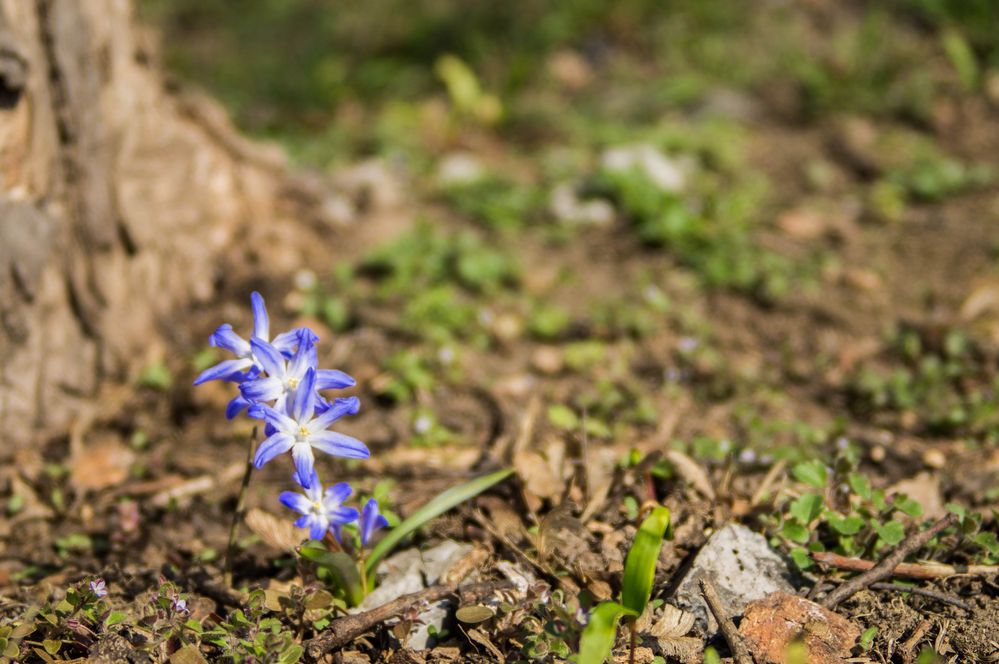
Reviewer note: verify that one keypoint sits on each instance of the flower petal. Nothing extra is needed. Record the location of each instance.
(340, 407)
(273, 446)
(332, 379)
(303, 521)
(236, 406)
(304, 402)
(371, 521)
(225, 338)
(339, 444)
(261, 321)
(262, 389)
(304, 358)
(305, 462)
(278, 420)
(342, 515)
(223, 369)
(295, 501)
(269, 357)
(337, 495)
(319, 528)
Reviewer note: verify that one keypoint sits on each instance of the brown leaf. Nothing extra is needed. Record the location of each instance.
(100, 464)
(692, 472)
(278, 533)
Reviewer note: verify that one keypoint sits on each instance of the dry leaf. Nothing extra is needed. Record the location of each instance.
(100, 464)
(278, 533)
(692, 472)
(670, 629)
(480, 637)
(537, 475)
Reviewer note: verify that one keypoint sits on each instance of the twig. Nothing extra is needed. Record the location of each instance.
(344, 630)
(237, 516)
(924, 571)
(886, 567)
(925, 592)
(725, 624)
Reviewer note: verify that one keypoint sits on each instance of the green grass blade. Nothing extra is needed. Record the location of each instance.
(640, 565)
(600, 632)
(437, 506)
(341, 566)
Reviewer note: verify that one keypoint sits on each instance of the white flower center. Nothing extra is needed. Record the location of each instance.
(303, 433)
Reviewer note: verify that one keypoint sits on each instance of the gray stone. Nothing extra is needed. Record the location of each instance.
(743, 568)
(411, 571)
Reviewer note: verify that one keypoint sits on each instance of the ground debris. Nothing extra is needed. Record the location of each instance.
(771, 624)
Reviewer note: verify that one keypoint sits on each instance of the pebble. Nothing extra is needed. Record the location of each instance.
(744, 569)
(772, 624)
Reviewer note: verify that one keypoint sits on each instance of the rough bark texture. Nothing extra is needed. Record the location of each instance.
(117, 200)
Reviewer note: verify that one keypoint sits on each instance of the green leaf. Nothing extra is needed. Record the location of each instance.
(563, 417)
(640, 565)
(867, 638)
(601, 632)
(52, 646)
(890, 533)
(849, 525)
(711, 656)
(806, 508)
(860, 485)
(437, 506)
(795, 532)
(341, 566)
(907, 505)
(114, 618)
(812, 473)
(801, 558)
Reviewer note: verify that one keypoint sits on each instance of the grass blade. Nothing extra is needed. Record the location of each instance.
(342, 567)
(640, 565)
(437, 506)
(600, 632)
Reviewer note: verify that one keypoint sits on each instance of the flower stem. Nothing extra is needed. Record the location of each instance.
(237, 516)
(634, 641)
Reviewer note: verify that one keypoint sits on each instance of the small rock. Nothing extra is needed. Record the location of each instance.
(924, 488)
(744, 569)
(570, 70)
(405, 573)
(351, 657)
(547, 360)
(935, 458)
(568, 208)
(771, 624)
(666, 173)
(459, 168)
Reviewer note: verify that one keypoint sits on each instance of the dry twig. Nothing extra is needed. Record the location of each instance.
(886, 567)
(347, 628)
(925, 571)
(925, 592)
(725, 624)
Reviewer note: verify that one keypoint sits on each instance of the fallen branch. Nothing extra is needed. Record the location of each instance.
(725, 624)
(886, 567)
(924, 592)
(343, 630)
(924, 571)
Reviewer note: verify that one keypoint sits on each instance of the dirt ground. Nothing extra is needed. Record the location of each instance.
(878, 358)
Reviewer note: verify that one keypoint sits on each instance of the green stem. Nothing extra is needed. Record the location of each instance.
(237, 516)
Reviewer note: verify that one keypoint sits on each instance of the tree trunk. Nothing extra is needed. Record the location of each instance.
(118, 199)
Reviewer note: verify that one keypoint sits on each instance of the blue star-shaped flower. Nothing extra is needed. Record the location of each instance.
(301, 430)
(320, 510)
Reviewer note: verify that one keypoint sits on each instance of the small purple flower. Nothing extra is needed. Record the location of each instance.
(371, 521)
(246, 366)
(300, 430)
(321, 511)
(99, 588)
(179, 605)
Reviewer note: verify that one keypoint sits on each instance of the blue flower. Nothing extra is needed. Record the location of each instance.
(301, 430)
(371, 521)
(246, 366)
(99, 588)
(321, 511)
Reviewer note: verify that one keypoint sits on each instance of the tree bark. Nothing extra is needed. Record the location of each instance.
(118, 200)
